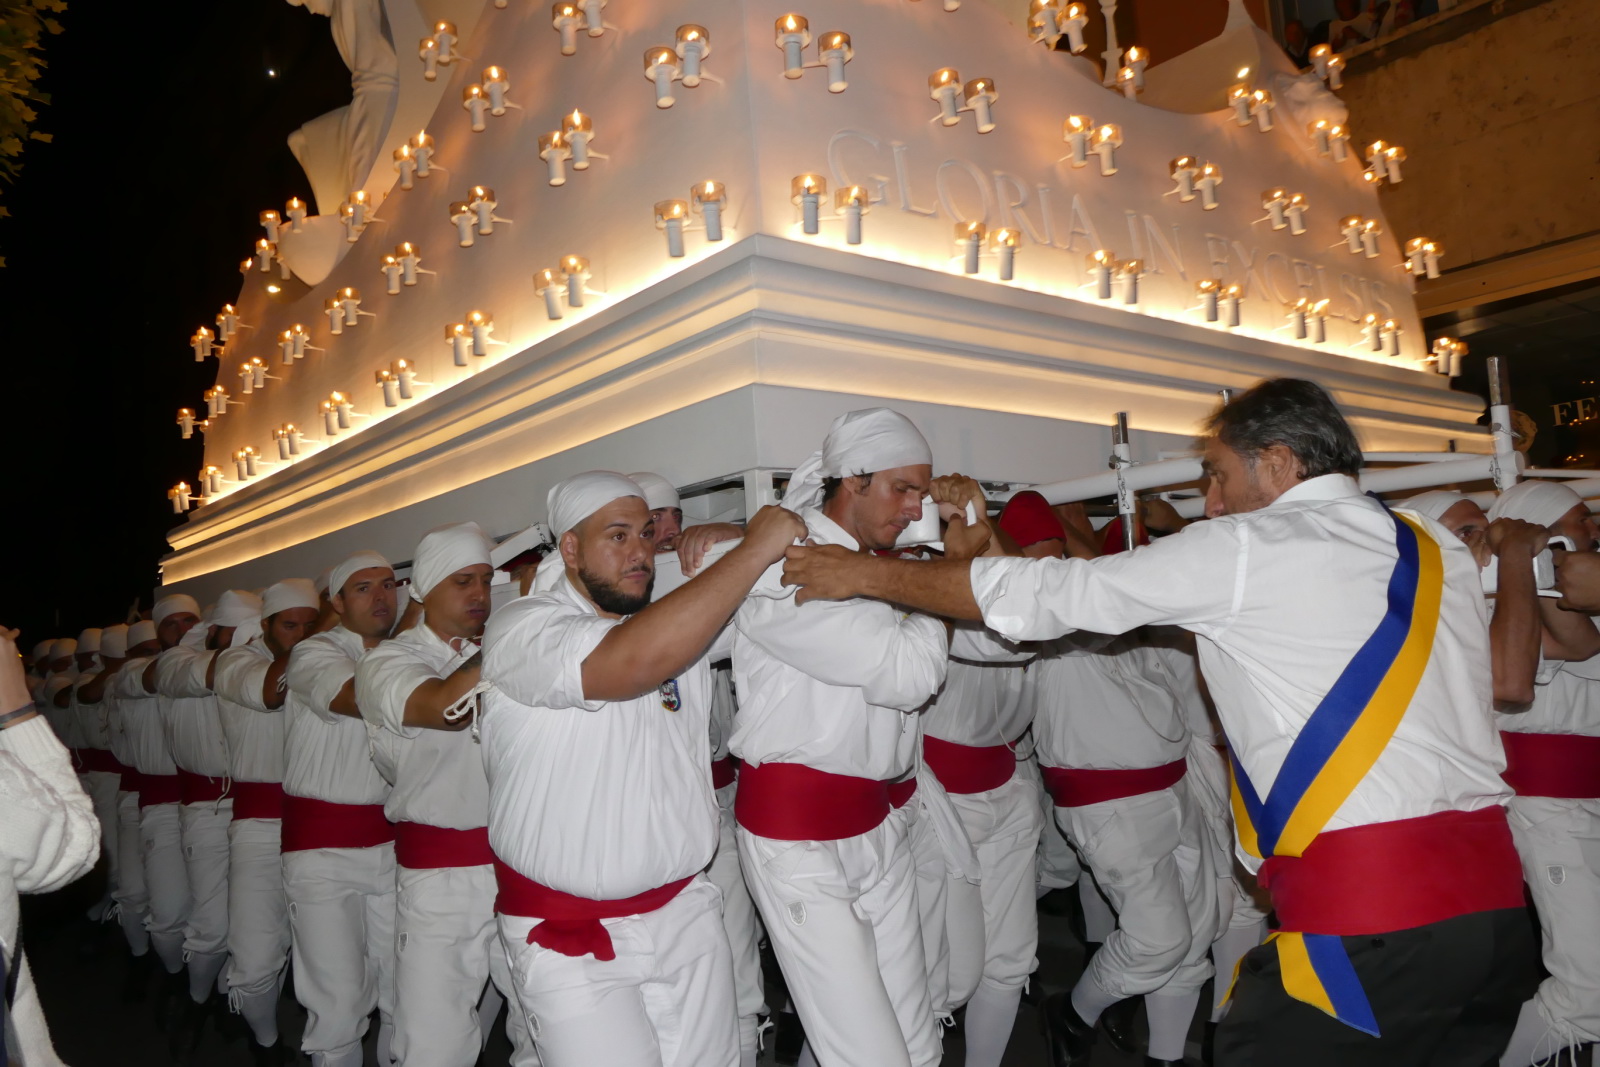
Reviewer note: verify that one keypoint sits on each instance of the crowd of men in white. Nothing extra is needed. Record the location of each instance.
(594, 803)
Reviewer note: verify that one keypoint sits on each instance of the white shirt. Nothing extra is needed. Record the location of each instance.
(1104, 705)
(982, 703)
(89, 720)
(1566, 700)
(140, 715)
(1280, 599)
(438, 775)
(254, 732)
(724, 706)
(833, 684)
(326, 754)
(60, 719)
(189, 711)
(601, 799)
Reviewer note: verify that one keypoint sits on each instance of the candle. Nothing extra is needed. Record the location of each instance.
(592, 20)
(238, 466)
(1339, 142)
(350, 301)
(227, 322)
(806, 192)
(1135, 60)
(1275, 201)
(406, 376)
(1231, 296)
(390, 388)
(564, 17)
(211, 478)
(295, 212)
(693, 45)
(1299, 315)
(547, 283)
(286, 348)
(463, 217)
(480, 323)
(1239, 100)
(1107, 138)
(201, 343)
(1389, 331)
(793, 35)
(1447, 354)
(1377, 160)
(250, 457)
(980, 95)
(477, 105)
(1129, 271)
(265, 251)
(216, 401)
(1296, 213)
(1043, 22)
(1319, 59)
(186, 422)
(1128, 83)
(1209, 290)
(1431, 251)
(406, 165)
(1210, 178)
(1075, 131)
(1318, 132)
(335, 312)
(553, 150)
(281, 439)
(428, 52)
(445, 34)
(245, 265)
(575, 272)
(1351, 226)
(707, 199)
(422, 152)
(496, 83)
(1004, 241)
(1393, 156)
(1369, 237)
(1100, 263)
(577, 131)
(1184, 170)
(969, 240)
(301, 338)
(669, 217)
(460, 342)
(410, 261)
(1071, 21)
(269, 222)
(834, 48)
(661, 67)
(944, 86)
(1371, 332)
(258, 372)
(852, 202)
(1335, 72)
(341, 405)
(1261, 109)
(1319, 321)
(330, 419)
(391, 274)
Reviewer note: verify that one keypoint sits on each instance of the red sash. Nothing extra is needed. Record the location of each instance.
(723, 772)
(423, 848)
(1552, 765)
(571, 925)
(1074, 787)
(968, 768)
(98, 760)
(257, 800)
(902, 791)
(309, 824)
(130, 780)
(1397, 875)
(793, 802)
(200, 788)
(159, 789)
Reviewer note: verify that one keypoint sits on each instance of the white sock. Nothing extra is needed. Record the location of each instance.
(991, 1013)
(807, 1057)
(1098, 918)
(1170, 1016)
(1533, 1041)
(1226, 952)
(260, 1011)
(748, 1057)
(1090, 1000)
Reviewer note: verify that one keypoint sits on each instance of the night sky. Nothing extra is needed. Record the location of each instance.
(125, 235)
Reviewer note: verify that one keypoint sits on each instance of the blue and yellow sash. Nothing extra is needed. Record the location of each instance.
(1335, 749)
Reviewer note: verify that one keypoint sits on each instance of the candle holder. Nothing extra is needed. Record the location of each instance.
(1370, 231)
(593, 19)
(186, 422)
(1261, 108)
(661, 67)
(566, 18)
(1422, 257)
(1076, 131)
(1129, 271)
(476, 103)
(1101, 263)
(444, 33)
(980, 94)
(355, 213)
(670, 216)
(969, 244)
(1004, 242)
(1328, 65)
(548, 284)
(480, 324)
(578, 132)
(707, 199)
(421, 145)
(228, 323)
(1128, 83)
(1239, 101)
(554, 151)
(1184, 170)
(1105, 141)
(575, 275)
(944, 87)
(203, 343)
(253, 374)
(1275, 202)
(211, 478)
(1209, 292)
(271, 222)
(1044, 18)
(693, 45)
(287, 438)
(1071, 21)
(806, 192)
(179, 495)
(793, 35)
(459, 338)
(1447, 355)
(216, 402)
(496, 83)
(852, 203)
(1232, 296)
(834, 50)
(1135, 60)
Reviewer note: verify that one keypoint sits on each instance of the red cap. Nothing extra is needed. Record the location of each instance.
(1029, 520)
(1111, 542)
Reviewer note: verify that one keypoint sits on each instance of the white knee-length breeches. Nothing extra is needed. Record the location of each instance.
(133, 899)
(666, 1000)
(843, 921)
(1559, 842)
(1003, 825)
(341, 922)
(102, 787)
(742, 923)
(949, 905)
(167, 881)
(204, 826)
(258, 911)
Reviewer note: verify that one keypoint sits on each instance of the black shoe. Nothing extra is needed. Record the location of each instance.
(184, 1040)
(1117, 1022)
(136, 980)
(275, 1055)
(1151, 1061)
(1068, 1037)
(788, 1037)
(1208, 1044)
(1033, 991)
(172, 993)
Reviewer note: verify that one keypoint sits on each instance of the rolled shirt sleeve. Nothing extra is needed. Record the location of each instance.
(51, 836)
(535, 650)
(181, 672)
(317, 671)
(241, 677)
(129, 682)
(385, 679)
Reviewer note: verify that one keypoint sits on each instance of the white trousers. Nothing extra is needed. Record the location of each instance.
(666, 1000)
(1003, 825)
(102, 787)
(258, 923)
(843, 920)
(447, 953)
(950, 910)
(1150, 856)
(742, 924)
(1056, 862)
(341, 922)
(1559, 842)
(205, 857)
(133, 899)
(167, 880)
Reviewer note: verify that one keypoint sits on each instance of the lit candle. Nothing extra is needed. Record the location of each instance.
(1369, 237)
(266, 251)
(482, 204)
(575, 272)
(1336, 72)
(301, 338)
(212, 478)
(793, 35)
(564, 17)
(1339, 142)
(1239, 100)
(661, 67)
(406, 377)
(1431, 251)
(391, 274)
(592, 19)
(577, 131)
(201, 342)
(806, 192)
(1351, 226)
(1135, 60)
(496, 83)
(482, 324)
(1296, 213)
(944, 86)
(1075, 131)
(330, 419)
(1107, 138)
(969, 240)
(406, 165)
(1377, 164)
(1371, 332)
(547, 283)
(669, 217)
(553, 150)
(1389, 330)
(428, 52)
(216, 401)
(1447, 353)
(186, 422)
(1128, 83)
(422, 152)
(183, 495)
(693, 45)
(227, 322)
(445, 34)
(245, 265)
(460, 342)
(981, 95)
(1299, 313)
(1208, 290)
(1319, 321)
(410, 260)
(852, 202)
(1004, 241)
(1184, 170)
(239, 472)
(1261, 109)
(350, 301)
(1101, 262)
(249, 455)
(281, 439)
(834, 48)
(390, 388)
(1043, 20)
(1129, 271)
(341, 404)
(1071, 21)
(270, 222)
(1232, 294)
(335, 312)
(1318, 132)
(477, 106)
(1319, 59)
(462, 216)
(1275, 200)
(286, 347)
(707, 199)
(1210, 178)
(1393, 156)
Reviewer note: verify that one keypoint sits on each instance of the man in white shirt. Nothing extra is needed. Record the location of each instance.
(601, 811)
(827, 721)
(250, 687)
(99, 770)
(666, 508)
(338, 849)
(413, 691)
(1383, 836)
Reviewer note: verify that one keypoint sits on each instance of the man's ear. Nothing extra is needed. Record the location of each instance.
(569, 548)
(336, 602)
(858, 484)
(1280, 466)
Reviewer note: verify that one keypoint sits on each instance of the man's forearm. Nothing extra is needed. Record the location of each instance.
(938, 587)
(1568, 635)
(428, 702)
(1514, 634)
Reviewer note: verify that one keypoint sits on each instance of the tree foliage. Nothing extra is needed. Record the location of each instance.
(23, 26)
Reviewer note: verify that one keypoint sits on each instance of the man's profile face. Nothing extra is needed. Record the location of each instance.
(1579, 525)
(459, 605)
(1468, 522)
(366, 603)
(172, 628)
(613, 554)
(1233, 483)
(669, 524)
(287, 628)
(880, 510)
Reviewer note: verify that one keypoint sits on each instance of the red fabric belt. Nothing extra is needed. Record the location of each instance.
(1073, 787)
(76, 755)
(311, 823)
(793, 802)
(198, 788)
(98, 759)
(130, 780)
(571, 925)
(969, 768)
(159, 789)
(257, 800)
(422, 847)
(1397, 875)
(723, 771)
(1552, 765)
(902, 791)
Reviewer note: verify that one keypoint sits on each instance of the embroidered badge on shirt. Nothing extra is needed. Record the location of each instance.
(669, 695)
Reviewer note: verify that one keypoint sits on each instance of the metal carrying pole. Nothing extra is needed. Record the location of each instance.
(1121, 460)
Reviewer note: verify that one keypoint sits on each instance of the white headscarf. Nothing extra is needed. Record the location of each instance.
(41, 651)
(236, 608)
(572, 501)
(658, 492)
(64, 646)
(445, 550)
(359, 562)
(140, 632)
(1433, 503)
(114, 641)
(1540, 503)
(858, 442)
(289, 593)
(176, 604)
(89, 640)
